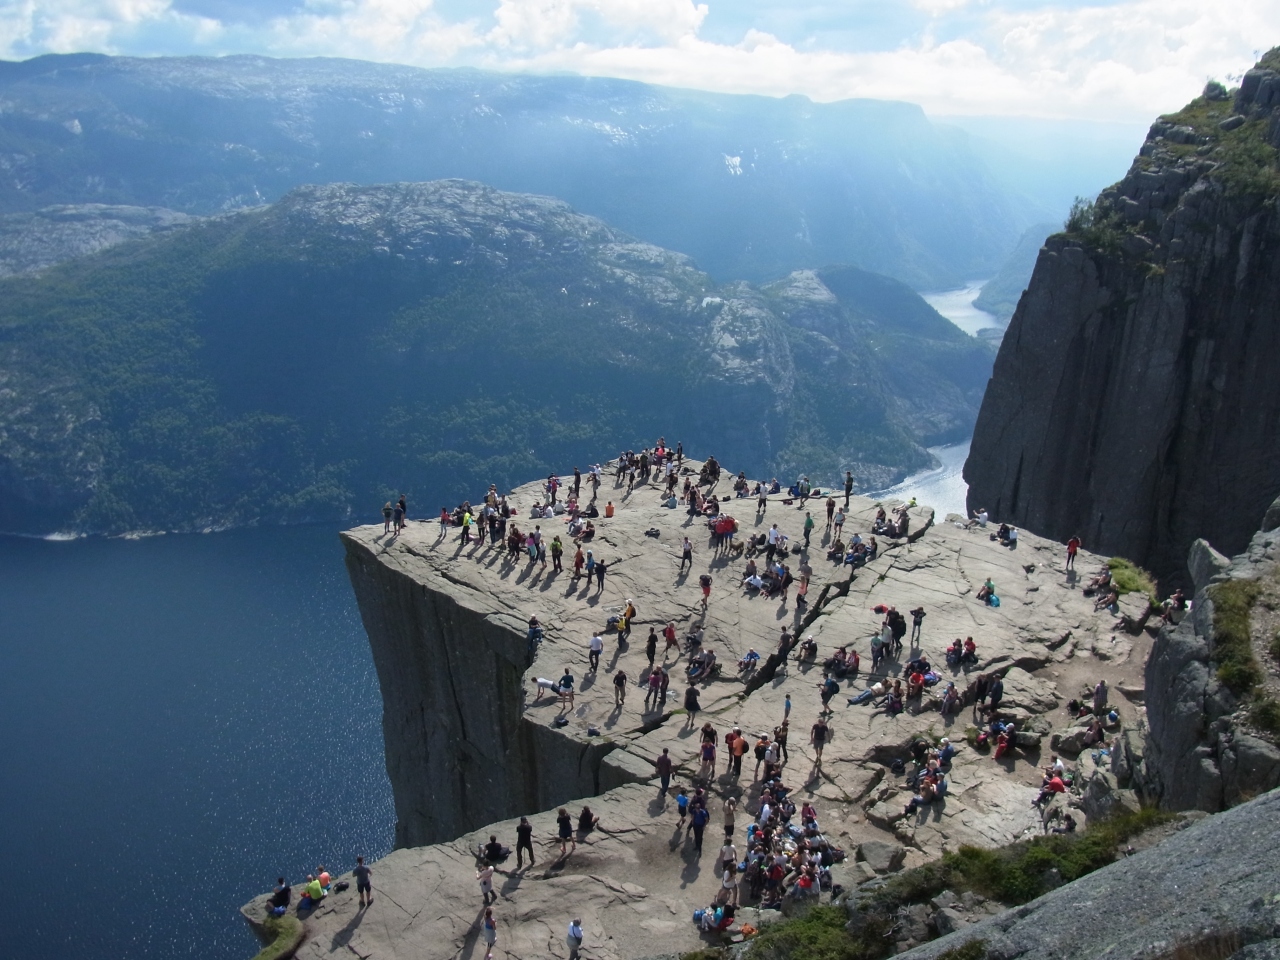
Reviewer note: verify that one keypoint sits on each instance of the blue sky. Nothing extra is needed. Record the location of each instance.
(1121, 60)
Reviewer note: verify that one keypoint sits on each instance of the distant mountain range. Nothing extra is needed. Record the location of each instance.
(750, 187)
(322, 354)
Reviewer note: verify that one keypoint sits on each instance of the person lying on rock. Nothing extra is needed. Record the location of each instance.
(1102, 582)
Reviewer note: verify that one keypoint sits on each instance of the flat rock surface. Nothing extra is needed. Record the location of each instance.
(635, 883)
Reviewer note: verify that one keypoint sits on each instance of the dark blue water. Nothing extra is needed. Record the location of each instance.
(181, 719)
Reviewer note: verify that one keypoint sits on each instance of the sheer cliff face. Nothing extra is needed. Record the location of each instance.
(1135, 399)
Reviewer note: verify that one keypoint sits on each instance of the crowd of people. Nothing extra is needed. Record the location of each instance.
(778, 851)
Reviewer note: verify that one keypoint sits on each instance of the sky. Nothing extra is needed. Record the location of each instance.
(1112, 60)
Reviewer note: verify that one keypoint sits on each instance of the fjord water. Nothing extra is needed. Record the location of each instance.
(182, 718)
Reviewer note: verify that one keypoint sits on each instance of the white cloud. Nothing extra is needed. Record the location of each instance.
(1123, 60)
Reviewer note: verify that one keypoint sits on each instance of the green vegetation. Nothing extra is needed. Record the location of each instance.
(278, 366)
(284, 935)
(1233, 603)
(973, 950)
(1099, 228)
(1128, 577)
(819, 934)
(1265, 715)
(1013, 875)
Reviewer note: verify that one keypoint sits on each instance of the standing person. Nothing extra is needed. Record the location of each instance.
(818, 738)
(707, 753)
(577, 482)
(808, 527)
(489, 927)
(445, 522)
(387, 513)
(771, 543)
(566, 687)
(780, 739)
(917, 619)
(691, 705)
(739, 748)
(829, 687)
(557, 554)
(397, 514)
(686, 555)
(995, 694)
(364, 888)
(651, 646)
(662, 688)
(594, 649)
(761, 751)
(574, 939)
(578, 560)
(564, 823)
(619, 688)
(403, 504)
(848, 487)
(524, 841)
(664, 767)
(1073, 547)
(1100, 698)
(705, 582)
(838, 524)
(485, 876)
(831, 510)
(699, 820)
(730, 812)
(786, 704)
(655, 687)
(601, 567)
(669, 633)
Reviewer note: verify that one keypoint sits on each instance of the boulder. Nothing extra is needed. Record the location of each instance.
(949, 921)
(1104, 797)
(881, 857)
(1204, 563)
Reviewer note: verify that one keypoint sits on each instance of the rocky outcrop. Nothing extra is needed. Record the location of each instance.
(30, 242)
(1200, 754)
(1207, 886)
(1134, 398)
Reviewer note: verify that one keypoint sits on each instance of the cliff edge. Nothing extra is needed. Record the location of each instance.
(1134, 400)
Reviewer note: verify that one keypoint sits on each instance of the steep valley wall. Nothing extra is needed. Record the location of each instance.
(460, 754)
(1135, 399)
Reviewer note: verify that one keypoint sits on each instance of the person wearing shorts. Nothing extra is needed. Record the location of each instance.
(363, 887)
(490, 928)
(705, 581)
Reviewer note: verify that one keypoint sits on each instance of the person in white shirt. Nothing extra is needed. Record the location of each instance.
(595, 648)
(574, 938)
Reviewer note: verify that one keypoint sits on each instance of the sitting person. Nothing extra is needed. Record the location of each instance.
(979, 519)
(970, 651)
(753, 582)
(750, 570)
(1101, 582)
(280, 898)
(927, 793)
(950, 700)
(702, 665)
(809, 648)
(946, 752)
(1068, 825)
(592, 511)
(894, 701)
(493, 851)
(1094, 734)
(915, 685)
(748, 661)
(1109, 600)
(587, 821)
(1174, 607)
(986, 591)
(872, 549)
(837, 550)
(919, 665)
(1048, 788)
(1003, 533)
(955, 652)
(588, 532)
(312, 894)
(774, 486)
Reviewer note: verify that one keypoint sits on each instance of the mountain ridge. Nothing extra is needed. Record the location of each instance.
(348, 343)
